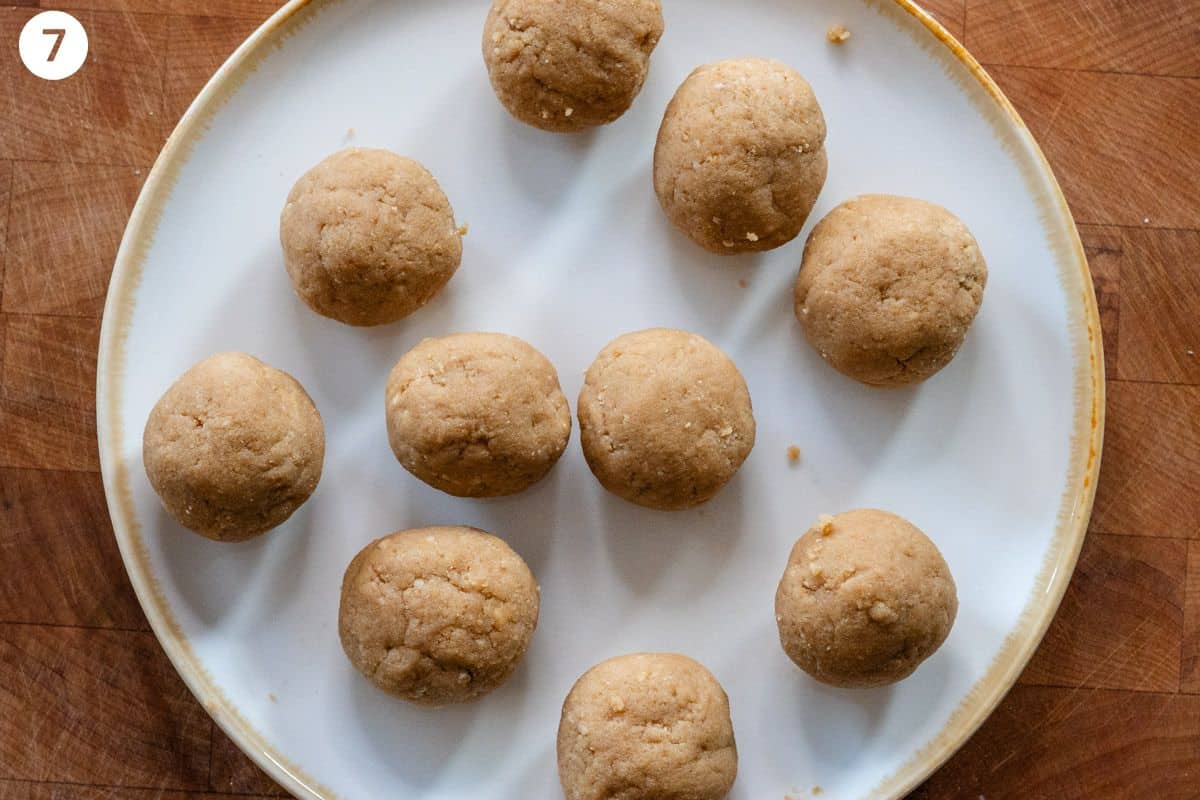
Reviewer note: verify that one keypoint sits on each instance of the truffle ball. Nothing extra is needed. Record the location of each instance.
(740, 157)
(233, 447)
(888, 288)
(567, 65)
(437, 615)
(476, 414)
(368, 237)
(646, 726)
(665, 418)
(866, 597)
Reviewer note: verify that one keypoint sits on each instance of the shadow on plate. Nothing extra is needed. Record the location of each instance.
(214, 578)
(531, 521)
(708, 281)
(645, 545)
(430, 742)
(338, 362)
(866, 417)
(543, 164)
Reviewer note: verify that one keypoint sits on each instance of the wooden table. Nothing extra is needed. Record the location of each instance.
(1110, 705)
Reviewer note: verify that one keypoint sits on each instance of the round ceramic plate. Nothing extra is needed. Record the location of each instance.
(995, 457)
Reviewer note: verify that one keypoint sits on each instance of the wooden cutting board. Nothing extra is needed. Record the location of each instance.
(1110, 705)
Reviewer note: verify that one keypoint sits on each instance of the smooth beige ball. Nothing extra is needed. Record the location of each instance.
(368, 237)
(437, 615)
(567, 65)
(647, 726)
(866, 597)
(233, 447)
(888, 288)
(665, 418)
(740, 157)
(477, 414)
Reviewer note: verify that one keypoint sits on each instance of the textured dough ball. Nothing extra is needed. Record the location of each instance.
(888, 287)
(566, 65)
(437, 615)
(233, 447)
(665, 418)
(477, 414)
(646, 726)
(368, 237)
(866, 597)
(740, 157)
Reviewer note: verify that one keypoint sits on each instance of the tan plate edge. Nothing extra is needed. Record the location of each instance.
(1086, 439)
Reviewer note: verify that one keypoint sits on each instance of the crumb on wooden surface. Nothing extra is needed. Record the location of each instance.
(837, 34)
(743, 283)
(793, 453)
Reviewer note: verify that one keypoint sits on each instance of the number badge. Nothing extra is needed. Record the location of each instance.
(53, 45)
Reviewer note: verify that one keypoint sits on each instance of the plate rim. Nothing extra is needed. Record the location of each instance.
(973, 710)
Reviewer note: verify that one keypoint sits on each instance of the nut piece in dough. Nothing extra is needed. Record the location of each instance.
(567, 65)
(646, 726)
(740, 157)
(665, 418)
(477, 414)
(866, 597)
(437, 615)
(233, 447)
(888, 288)
(368, 237)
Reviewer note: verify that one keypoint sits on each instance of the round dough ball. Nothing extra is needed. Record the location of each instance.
(888, 287)
(646, 726)
(437, 615)
(233, 447)
(567, 65)
(368, 237)
(477, 414)
(740, 157)
(866, 597)
(665, 418)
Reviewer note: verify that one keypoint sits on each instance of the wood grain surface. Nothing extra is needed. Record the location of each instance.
(90, 708)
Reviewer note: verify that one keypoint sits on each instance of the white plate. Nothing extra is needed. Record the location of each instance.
(995, 457)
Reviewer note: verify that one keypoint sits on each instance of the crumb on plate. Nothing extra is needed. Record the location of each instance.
(837, 34)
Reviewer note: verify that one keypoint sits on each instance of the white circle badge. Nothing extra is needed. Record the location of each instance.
(53, 45)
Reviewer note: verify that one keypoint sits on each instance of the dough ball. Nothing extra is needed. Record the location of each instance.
(567, 65)
(740, 157)
(646, 726)
(866, 597)
(437, 615)
(368, 237)
(888, 287)
(233, 447)
(665, 418)
(477, 414)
